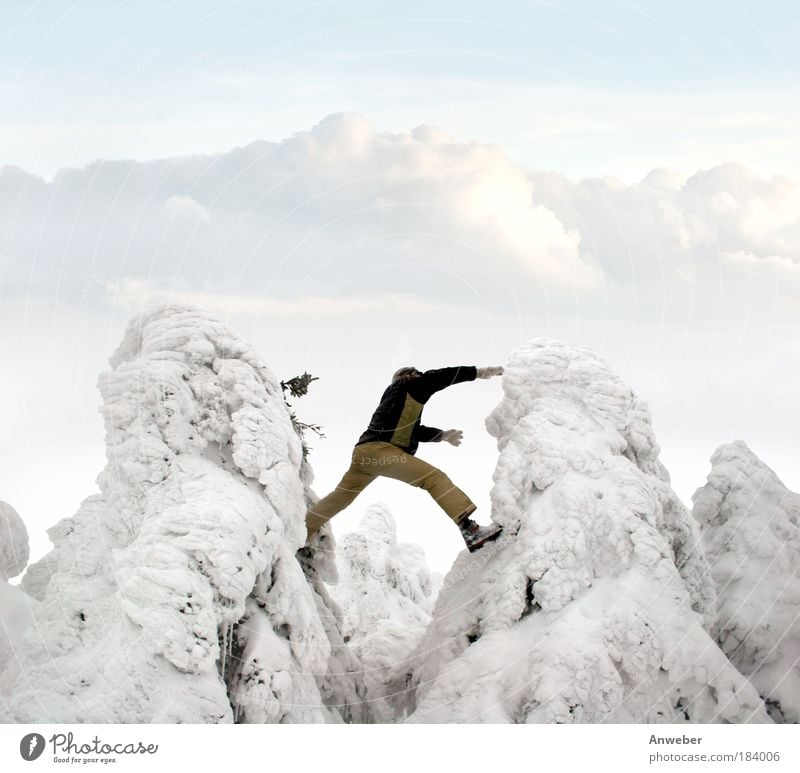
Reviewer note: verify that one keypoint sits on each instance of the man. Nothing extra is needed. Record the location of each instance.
(388, 445)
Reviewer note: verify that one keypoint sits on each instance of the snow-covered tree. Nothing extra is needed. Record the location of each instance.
(593, 605)
(174, 594)
(751, 531)
(17, 608)
(386, 594)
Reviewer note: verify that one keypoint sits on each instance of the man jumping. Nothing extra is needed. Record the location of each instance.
(388, 446)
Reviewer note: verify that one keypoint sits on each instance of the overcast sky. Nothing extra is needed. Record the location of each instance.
(355, 187)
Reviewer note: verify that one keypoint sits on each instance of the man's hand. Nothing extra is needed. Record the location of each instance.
(453, 436)
(492, 370)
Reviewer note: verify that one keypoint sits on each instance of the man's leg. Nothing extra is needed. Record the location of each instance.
(393, 462)
(353, 482)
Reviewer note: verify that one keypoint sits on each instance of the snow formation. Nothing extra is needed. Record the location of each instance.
(594, 604)
(177, 594)
(751, 531)
(385, 592)
(16, 607)
(174, 594)
(14, 549)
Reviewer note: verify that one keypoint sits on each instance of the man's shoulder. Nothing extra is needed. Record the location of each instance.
(393, 391)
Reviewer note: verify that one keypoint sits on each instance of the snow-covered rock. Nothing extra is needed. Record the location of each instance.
(751, 531)
(14, 549)
(17, 613)
(174, 595)
(17, 608)
(594, 603)
(385, 593)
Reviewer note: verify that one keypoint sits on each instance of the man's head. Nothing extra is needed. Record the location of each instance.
(407, 373)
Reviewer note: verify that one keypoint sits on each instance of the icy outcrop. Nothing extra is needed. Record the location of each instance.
(386, 594)
(751, 531)
(17, 608)
(174, 595)
(593, 605)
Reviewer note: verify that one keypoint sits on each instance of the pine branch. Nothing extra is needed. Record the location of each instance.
(297, 387)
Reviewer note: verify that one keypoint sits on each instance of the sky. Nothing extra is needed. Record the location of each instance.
(359, 186)
(614, 88)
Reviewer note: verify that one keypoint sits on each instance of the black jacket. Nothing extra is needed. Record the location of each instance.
(397, 418)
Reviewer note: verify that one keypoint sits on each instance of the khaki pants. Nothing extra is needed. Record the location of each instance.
(370, 460)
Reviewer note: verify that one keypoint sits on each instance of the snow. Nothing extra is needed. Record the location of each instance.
(594, 604)
(186, 557)
(386, 596)
(751, 531)
(14, 550)
(177, 594)
(17, 608)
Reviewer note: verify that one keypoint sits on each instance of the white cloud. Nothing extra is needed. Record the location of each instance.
(186, 206)
(344, 210)
(745, 258)
(131, 295)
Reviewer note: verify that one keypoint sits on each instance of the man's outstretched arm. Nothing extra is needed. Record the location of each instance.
(432, 381)
(440, 378)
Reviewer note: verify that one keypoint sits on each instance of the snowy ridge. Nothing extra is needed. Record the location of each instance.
(591, 607)
(193, 534)
(385, 593)
(751, 530)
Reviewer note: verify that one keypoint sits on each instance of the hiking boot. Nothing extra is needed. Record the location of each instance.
(305, 557)
(476, 536)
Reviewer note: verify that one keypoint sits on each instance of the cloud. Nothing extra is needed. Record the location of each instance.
(345, 210)
(675, 227)
(133, 294)
(744, 258)
(186, 206)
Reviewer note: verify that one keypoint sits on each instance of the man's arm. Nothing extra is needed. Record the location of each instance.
(433, 435)
(432, 381)
(429, 434)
